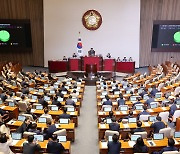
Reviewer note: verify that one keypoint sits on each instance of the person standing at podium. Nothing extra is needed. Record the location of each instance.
(91, 52)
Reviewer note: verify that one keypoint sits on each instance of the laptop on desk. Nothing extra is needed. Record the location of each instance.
(158, 136)
(39, 138)
(62, 138)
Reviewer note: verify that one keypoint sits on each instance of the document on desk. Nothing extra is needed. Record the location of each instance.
(33, 110)
(101, 113)
(126, 125)
(24, 142)
(163, 108)
(11, 122)
(124, 112)
(102, 125)
(150, 110)
(131, 143)
(176, 142)
(151, 143)
(2, 107)
(14, 142)
(104, 145)
(146, 124)
(118, 112)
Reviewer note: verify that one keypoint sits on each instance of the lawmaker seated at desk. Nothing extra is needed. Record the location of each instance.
(54, 146)
(74, 55)
(108, 101)
(31, 146)
(144, 112)
(64, 58)
(46, 115)
(114, 126)
(140, 147)
(51, 128)
(139, 127)
(65, 115)
(91, 52)
(124, 59)
(158, 125)
(69, 101)
(114, 146)
(130, 59)
(25, 126)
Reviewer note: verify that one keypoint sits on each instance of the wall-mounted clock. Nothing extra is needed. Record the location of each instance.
(92, 20)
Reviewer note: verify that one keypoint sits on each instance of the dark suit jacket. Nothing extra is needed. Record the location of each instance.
(139, 130)
(143, 113)
(65, 116)
(108, 102)
(55, 147)
(157, 126)
(24, 127)
(54, 102)
(114, 126)
(172, 148)
(121, 102)
(49, 131)
(140, 149)
(114, 147)
(173, 109)
(30, 148)
(70, 102)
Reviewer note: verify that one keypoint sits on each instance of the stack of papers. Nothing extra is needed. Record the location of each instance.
(146, 124)
(131, 143)
(126, 125)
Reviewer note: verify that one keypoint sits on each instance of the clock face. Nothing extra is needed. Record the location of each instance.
(92, 20)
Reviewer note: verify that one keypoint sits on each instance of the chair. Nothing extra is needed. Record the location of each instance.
(29, 116)
(176, 115)
(176, 91)
(22, 106)
(171, 152)
(110, 133)
(26, 134)
(144, 117)
(143, 134)
(166, 132)
(160, 86)
(164, 116)
(61, 132)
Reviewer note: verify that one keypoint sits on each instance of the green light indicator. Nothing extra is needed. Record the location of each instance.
(4, 36)
(177, 37)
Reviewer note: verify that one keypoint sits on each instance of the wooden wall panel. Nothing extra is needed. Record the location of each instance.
(26, 9)
(156, 10)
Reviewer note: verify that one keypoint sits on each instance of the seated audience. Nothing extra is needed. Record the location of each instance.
(124, 59)
(130, 59)
(54, 146)
(144, 112)
(31, 146)
(56, 102)
(121, 100)
(108, 101)
(114, 147)
(140, 147)
(34, 129)
(28, 111)
(157, 125)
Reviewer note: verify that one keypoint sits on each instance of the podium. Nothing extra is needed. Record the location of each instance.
(92, 60)
(125, 67)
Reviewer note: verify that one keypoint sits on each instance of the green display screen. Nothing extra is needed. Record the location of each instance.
(177, 37)
(4, 36)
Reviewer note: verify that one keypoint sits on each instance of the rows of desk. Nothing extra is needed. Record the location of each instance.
(13, 124)
(125, 127)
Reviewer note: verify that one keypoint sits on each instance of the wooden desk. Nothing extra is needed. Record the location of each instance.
(56, 66)
(126, 67)
(124, 127)
(14, 112)
(70, 128)
(159, 144)
(19, 146)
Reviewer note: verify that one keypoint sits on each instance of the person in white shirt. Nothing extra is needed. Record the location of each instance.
(5, 142)
(46, 114)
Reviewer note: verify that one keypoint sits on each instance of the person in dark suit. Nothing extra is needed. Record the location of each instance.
(28, 111)
(138, 102)
(54, 146)
(25, 126)
(114, 147)
(114, 126)
(51, 128)
(151, 99)
(91, 52)
(64, 115)
(56, 102)
(34, 129)
(121, 100)
(59, 93)
(25, 89)
(108, 101)
(170, 147)
(43, 102)
(116, 89)
(158, 125)
(69, 101)
(139, 128)
(30, 147)
(63, 88)
(153, 91)
(140, 147)
(143, 112)
(130, 115)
